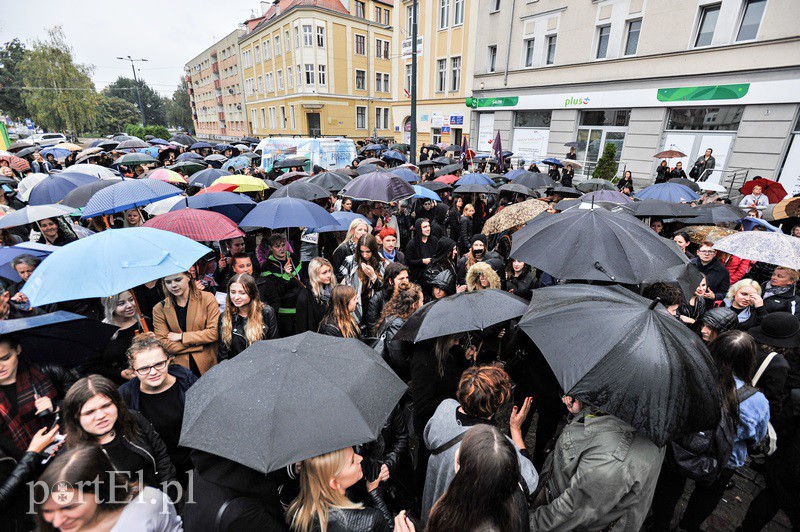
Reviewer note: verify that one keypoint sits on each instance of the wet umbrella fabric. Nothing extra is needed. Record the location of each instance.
(382, 186)
(763, 246)
(643, 366)
(590, 185)
(474, 179)
(594, 244)
(79, 197)
(714, 213)
(467, 311)
(95, 170)
(436, 186)
(515, 188)
(514, 215)
(199, 225)
(33, 213)
(773, 190)
(343, 221)
(695, 186)
(606, 195)
(301, 190)
(187, 167)
(55, 187)
(184, 140)
(475, 189)
(291, 162)
(660, 209)
(280, 213)
(132, 144)
(133, 159)
(8, 253)
(237, 163)
(407, 174)
(234, 206)
(425, 193)
(190, 156)
(668, 192)
(128, 194)
(16, 163)
(324, 394)
(686, 276)
(205, 178)
(533, 180)
(291, 177)
(330, 181)
(200, 146)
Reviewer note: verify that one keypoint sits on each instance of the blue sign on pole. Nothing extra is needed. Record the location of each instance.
(456, 120)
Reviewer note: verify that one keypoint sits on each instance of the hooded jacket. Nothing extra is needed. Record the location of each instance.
(416, 251)
(478, 269)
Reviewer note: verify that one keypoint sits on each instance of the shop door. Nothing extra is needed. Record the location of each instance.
(695, 144)
(314, 128)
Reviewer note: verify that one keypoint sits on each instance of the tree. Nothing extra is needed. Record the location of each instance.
(113, 113)
(125, 88)
(179, 112)
(58, 93)
(12, 55)
(607, 165)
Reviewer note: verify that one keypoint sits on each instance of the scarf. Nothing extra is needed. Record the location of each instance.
(325, 293)
(770, 290)
(389, 257)
(21, 428)
(743, 316)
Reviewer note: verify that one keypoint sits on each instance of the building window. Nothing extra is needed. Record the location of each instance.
(455, 74)
(296, 37)
(378, 118)
(283, 117)
(321, 36)
(288, 41)
(381, 49)
(308, 38)
(458, 12)
(496, 4)
(291, 115)
(361, 46)
(361, 80)
(290, 77)
(253, 118)
(361, 117)
(603, 35)
(360, 9)
(536, 119)
(322, 80)
(606, 117)
(386, 87)
(708, 22)
(277, 46)
(409, 18)
(309, 74)
(632, 40)
(267, 50)
(705, 118)
(386, 111)
(258, 54)
(492, 58)
(751, 20)
(408, 79)
(299, 77)
(377, 14)
(436, 135)
(260, 85)
(263, 123)
(551, 50)
(441, 75)
(444, 13)
(272, 119)
(387, 18)
(529, 52)
(280, 80)
(379, 82)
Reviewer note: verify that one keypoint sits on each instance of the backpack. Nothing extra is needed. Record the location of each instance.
(694, 173)
(701, 456)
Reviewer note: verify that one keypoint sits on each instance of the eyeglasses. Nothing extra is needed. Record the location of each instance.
(705, 251)
(145, 370)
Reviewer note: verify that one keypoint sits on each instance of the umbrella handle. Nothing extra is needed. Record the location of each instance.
(139, 312)
(600, 268)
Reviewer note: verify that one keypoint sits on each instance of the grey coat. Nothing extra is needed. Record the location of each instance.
(601, 473)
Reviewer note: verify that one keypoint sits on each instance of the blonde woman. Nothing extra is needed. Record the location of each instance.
(481, 276)
(246, 319)
(339, 320)
(358, 228)
(312, 303)
(322, 503)
(744, 298)
(133, 218)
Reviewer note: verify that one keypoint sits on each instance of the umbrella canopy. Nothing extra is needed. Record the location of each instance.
(202, 226)
(702, 233)
(381, 186)
(244, 183)
(8, 253)
(184, 140)
(106, 144)
(475, 189)
(26, 185)
(374, 160)
(785, 209)
(56, 151)
(606, 195)
(221, 187)
(95, 170)
(33, 213)
(751, 223)
(425, 193)
(668, 192)
(573, 162)
(467, 311)
(594, 244)
(291, 162)
(714, 187)
(427, 162)
(237, 163)
(552, 161)
(301, 190)
(60, 337)
(643, 366)
(590, 185)
(17, 164)
(127, 195)
(165, 175)
(366, 168)
(158, 142)
(110, 262)
(330, 181)
(686, 277)
(215, 158)
(515, 173)
(132, 144)
(200, 145)
(514, 215)
(474, 179)
(407, 174)
(324, 394)
(394, 155)
(343, 221)
(449, 169)
(79, 197)
(280, 213)
(191, 156)
(714, 213)
(448, 179)
(234, 206)
(685, 182)
(576, 203)
(763, 246)
(55, 187)
(157, 208)
(187, 167)
(291, 177)
(436, 186)
(443, 160)
(773, 190)
(660, 209)
(567, 192)
(133, 159)
(400, 147)
(669, 154)
(206, 177)
(533, 180)
(20, 144)
(515, 188)
(23, 152)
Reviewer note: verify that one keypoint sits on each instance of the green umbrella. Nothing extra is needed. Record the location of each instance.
(187, 167)
(133, 159)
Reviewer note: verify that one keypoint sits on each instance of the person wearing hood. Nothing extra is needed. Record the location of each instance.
(519, 279)
(421, 248)
(442, 266)
(780, 292)
(481, 276)
(466, 228)
(715, 322)
(717, 277)
(478, 252)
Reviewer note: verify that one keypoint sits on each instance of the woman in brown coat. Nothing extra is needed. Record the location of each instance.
(186, 322)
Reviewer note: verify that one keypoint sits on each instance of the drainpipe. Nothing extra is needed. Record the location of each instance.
(508, 47)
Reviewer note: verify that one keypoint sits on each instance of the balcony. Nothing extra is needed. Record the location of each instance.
(217, 84)
(219, 100)
(215, 68)
(221, 116)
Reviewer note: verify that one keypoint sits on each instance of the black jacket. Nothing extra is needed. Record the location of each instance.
(269, 331)
(375, 309)
(523, 285)
(373, 518)
(566, 177)
(717, 277)
(625, 182)
(466, 228)
(397, 353)
(309, 311)
(786, 302)
(772, 383)
(280, 290)
(428, 388)
(339, 254)
(662, 174)
(148, 444)
(14, 493)
(415, 254)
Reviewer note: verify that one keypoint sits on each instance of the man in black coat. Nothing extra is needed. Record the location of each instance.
(718, 280)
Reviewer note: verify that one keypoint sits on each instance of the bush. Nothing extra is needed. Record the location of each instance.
(607, 165)
(136, 130)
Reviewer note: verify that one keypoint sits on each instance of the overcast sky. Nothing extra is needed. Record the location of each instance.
(167, 33)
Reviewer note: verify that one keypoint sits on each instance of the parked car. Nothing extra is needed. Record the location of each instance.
(44, 140)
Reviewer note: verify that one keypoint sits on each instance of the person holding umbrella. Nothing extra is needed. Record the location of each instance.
(420, 249)
(364, 271)
(662, 172)
(245, 319)
(313, 300)
(186, 322)
(717, 276)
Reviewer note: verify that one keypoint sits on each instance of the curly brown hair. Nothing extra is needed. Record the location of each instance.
(483, 390)
(404, 302)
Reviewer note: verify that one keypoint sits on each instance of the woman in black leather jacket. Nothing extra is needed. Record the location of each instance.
(245, 319)
(324, 480)
(405, 301)
(443, 259)
(466, 228)
(519, 279)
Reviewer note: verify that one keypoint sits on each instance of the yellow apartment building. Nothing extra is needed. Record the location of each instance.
(319, 68)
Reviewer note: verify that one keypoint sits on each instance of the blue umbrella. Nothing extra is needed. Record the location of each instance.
(237, 163)
(343, 221)
(515, 173)
(200, 145)
(189, 156)
(374, 147)
(151, 151)
(159, 142)
(406, 173)
(749, 223)
(475, 179)
(673, 192)
(393, 154)
(552, 161)
(205, 178)
(7, 254)
(55, 187)
(127, 195)
(110, 262)
(424, 193)
(281, 213)
(234, 206)
(481, 157)
(58, 153)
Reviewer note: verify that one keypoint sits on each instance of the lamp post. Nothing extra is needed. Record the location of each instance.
(136, 82)
(414, 31)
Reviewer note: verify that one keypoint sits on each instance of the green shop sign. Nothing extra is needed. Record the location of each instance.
(508, 101)
(698, 94)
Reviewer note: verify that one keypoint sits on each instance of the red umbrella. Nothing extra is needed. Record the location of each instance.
(219, 187)
(772, 189)
(290, 177)
(448, 179)
(200, 225)
(20, 165)
(669, 154)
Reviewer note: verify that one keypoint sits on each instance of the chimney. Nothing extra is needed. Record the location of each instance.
(265, 5)
(277, 4)
(346, 4)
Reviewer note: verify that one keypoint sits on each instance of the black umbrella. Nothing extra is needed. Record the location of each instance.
(291, 162)
(330, 181)
(467, 311)
(290, 399)
(713, 213)
(592, 185)
(575, 203)
(516, 188)
(475, 189)
(183, 139)
(627, 356)
(366, 168)
(659, 209)
(428, 163)
(188, 167)
(436, 186)
(79, 197)
(455, 148)
(20, 144)
(534, 180)
(594, 244)
(686, 277)
(26, 151)
(443, 160)
(686, 182)
(380, 186)
(132, 143)
(301, 190)
(60, 337)
(250, 140)
(567, 192)
(449, 169)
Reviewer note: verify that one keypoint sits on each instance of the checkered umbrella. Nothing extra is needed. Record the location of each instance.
(199, 225)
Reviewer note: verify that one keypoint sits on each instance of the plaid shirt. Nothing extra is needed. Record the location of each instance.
(21, 428)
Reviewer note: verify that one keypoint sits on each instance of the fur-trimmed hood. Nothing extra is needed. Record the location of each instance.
(478, 269)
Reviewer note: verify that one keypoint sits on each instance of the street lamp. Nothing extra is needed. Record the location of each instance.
(136, 82)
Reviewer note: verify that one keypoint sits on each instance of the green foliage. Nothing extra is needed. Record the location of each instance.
(179, 112)
(59, 93)
(135, 130)
(125, 88)
(607, 165)
(113, 113)
(12, 55)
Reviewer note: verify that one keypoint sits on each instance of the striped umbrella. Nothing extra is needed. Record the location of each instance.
(199, 225)
(127, 195)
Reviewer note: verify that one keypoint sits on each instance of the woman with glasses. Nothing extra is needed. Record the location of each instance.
(158, 392)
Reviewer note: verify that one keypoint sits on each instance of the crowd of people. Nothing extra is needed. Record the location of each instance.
(98, 446)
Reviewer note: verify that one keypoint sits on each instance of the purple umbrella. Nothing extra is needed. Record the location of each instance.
(606, 195)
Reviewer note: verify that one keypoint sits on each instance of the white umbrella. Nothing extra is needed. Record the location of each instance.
(762, 246)
(715, 187)
(573, 162)
(26, 185)
(163, 206)
(94, 170)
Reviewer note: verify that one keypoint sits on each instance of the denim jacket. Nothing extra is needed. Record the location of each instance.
(753, 420)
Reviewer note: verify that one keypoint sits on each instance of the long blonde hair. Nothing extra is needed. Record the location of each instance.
(317, 497)
(338, 313)
(314, 267)
(253, 331)
(351, 231)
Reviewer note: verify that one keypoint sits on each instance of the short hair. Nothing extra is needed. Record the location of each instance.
(707, 243)
(742, 284)
(666, 293)
(144, 342)
(710, 149)
(241, 255)
(27, 259)
(275, 239)
(483, 390)
(794, 276)
(387, 231)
